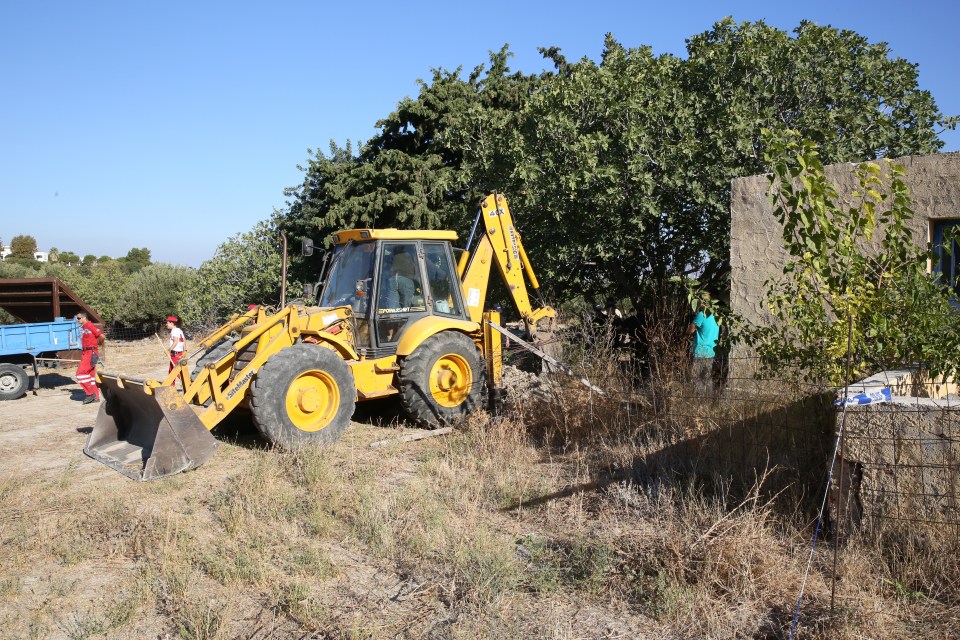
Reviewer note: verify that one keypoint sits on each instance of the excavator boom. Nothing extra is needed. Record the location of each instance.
(501, 245)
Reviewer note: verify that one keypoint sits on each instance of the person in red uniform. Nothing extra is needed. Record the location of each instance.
(91, 337)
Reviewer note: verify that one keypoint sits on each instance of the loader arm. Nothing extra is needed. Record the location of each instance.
(227, 385)
(149, 429)
(501, 245)
(235, 323)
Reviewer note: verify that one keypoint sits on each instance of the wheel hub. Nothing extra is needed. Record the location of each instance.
(313, 399)
(450, 380)
(7, 382)
(446, 380)
(309, 399)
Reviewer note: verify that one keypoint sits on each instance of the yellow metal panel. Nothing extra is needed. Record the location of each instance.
(415, 334)
(342, 237)
(501, 245)
(374, 378)
(476, 280)
(317, 318)
(462, 263)
(341, 346)
(234, 324)
(493, 349)
(505, 239)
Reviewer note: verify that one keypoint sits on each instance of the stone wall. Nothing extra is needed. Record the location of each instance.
(756, 245)
(901, 466)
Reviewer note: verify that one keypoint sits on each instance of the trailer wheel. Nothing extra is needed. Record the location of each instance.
(303, 394)
(442, 380)
(13, 381)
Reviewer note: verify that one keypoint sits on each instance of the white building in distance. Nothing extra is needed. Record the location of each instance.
(39, 256)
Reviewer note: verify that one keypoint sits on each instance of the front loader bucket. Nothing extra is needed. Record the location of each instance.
(147, 435)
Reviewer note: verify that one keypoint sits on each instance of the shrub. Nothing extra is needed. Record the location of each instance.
(245, 269)
(152, 293)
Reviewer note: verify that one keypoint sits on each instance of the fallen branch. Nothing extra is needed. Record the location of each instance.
(412, 437)
(550, 359)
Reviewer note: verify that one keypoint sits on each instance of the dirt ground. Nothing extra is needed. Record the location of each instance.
(50, 422)
(42, 436)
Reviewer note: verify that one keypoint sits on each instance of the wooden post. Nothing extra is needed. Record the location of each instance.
(56, 299)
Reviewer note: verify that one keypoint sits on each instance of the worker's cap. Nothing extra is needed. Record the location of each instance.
(173, 319)
(251, 306)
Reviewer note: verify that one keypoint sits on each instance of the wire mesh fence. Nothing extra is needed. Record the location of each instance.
(899, 457)
(901, 463)
(128, 334)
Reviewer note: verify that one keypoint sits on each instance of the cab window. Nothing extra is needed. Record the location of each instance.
(400, 295)
(401, 289)
(441, 279)
(350, 278)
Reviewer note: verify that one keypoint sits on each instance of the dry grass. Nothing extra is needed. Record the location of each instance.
(577, 517)
(674, 531)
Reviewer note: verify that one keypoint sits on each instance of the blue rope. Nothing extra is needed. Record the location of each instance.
(816, 532)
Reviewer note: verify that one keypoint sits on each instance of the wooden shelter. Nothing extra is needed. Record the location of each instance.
(41, 300)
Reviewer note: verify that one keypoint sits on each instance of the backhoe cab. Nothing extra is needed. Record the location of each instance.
(396, 315)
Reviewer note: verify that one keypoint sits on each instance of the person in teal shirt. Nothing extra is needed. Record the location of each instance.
(705, 331)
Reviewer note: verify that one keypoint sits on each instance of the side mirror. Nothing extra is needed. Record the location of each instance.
(307, 248)
(308, 290)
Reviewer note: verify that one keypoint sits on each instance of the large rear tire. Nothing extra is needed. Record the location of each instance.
(303, 394)
(13, 381)
(441, 382)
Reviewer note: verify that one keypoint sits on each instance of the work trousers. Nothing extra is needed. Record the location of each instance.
(174, 359)
(86, 371)
(703, 376)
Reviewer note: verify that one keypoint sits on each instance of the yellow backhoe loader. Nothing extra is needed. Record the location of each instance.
(395, 315)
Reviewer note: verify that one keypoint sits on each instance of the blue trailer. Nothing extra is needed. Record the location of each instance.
(24, 345)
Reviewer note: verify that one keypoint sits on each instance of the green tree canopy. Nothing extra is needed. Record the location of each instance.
(619, 170)
(433, 159)
(23, 247)
(68, 257)
(628, 161)
(135, 260)
(100, 286)
(244, 270)
(122, 299)
(152, 293)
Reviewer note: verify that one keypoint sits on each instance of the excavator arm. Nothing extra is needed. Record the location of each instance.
(501, 245)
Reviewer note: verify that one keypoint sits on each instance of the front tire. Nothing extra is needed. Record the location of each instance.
(303, 394)
(13, 381)
(441, 382)
(212, 354)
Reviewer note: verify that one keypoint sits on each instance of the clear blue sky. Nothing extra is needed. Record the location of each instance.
(176, 125)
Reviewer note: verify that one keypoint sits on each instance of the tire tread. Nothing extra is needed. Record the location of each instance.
(415, 398)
